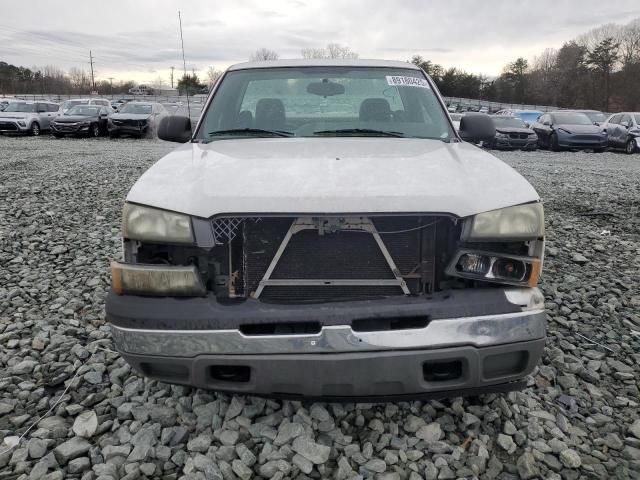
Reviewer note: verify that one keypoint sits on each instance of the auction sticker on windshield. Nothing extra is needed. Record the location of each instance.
(403, 81)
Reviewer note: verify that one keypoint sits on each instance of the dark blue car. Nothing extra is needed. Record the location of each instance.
(571, 130)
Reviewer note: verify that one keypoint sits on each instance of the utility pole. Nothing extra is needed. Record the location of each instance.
(93, 81)
(172, 76)
(111, 86)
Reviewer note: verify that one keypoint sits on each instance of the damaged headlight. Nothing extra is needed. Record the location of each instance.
(154, 225)
(521, 222)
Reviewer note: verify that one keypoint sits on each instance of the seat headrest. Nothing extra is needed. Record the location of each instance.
(375, 110)
(270, 114)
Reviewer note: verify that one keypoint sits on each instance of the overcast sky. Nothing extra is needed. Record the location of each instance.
(140, 40)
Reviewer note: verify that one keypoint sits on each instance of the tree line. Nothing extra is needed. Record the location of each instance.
(598, 70)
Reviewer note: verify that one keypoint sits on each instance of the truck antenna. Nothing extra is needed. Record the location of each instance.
(184, 77)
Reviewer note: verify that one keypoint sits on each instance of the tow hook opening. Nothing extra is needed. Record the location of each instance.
(230, 373)
(442, 371)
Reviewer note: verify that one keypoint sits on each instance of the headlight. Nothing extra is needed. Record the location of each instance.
(501, 135)
(22, 124)
(564, 131)
(522, 222)
(495, 267)
(156, 280)
(533, 135)
(153, 225)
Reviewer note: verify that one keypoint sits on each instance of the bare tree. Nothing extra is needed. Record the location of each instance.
(332, 50)
(263, 54)
(212, 75)
(630, 43)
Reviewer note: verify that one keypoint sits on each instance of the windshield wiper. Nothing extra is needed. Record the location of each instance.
(361, 131)
(252, 131)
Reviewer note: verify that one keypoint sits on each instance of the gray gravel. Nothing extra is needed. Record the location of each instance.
(59, 226)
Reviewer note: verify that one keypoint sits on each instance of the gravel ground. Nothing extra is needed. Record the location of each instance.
(60, 204)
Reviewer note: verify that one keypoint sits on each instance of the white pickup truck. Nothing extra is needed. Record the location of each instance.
(325, 232)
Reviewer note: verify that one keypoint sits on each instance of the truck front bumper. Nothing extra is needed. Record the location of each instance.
(471, 341)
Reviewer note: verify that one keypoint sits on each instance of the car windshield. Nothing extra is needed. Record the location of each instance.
(325, 101)
(69, 104)
(137, 108)
(84, 110)
(572, 118)
(21, 107)
(637, 117)
(596, 116)
(528, 116)
(508, 122)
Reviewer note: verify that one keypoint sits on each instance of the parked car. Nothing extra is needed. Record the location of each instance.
(69, 104)
(527, 116)
(562, 129)
(273, 253)
(623, 131)
(27, 117)
(597, 117)
(135, 119)
(87, 120)
(513, 133)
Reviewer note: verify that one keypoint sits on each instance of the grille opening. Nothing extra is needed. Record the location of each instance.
(281, 328)
(230, 373)
(442, 371)
(386, 324)
(168, 371)
(505, 364)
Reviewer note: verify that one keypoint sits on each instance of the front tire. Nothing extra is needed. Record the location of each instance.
(35, 129)
(631, 146)
(94, 130)
(553, 143)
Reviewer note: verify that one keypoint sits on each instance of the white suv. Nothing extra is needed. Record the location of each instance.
(325, 232)
(27, 117)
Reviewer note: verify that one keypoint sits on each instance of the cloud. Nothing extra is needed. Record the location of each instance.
(134, 39)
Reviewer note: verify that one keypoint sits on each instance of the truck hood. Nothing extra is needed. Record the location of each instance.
(330, 175)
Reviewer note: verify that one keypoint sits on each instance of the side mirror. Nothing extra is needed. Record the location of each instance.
(547, 123)
(477, 127)
(175, 128)
(527, 124)
(625, 124)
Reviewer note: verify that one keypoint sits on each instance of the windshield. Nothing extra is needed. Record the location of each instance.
(596, 116)
(72, 103)
(529, 117)
(325, 101)
(509, 122)
(137, 108)
(84, 110)
(571, 119)
(21, 107)
(637, 117)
